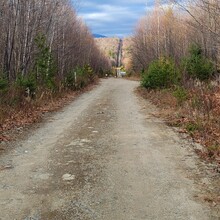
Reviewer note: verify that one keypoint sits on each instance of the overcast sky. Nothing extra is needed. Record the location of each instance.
(115, 17)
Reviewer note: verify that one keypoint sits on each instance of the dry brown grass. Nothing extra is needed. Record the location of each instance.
(200, 120)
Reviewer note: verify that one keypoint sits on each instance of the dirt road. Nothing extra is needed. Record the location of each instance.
(103, 157)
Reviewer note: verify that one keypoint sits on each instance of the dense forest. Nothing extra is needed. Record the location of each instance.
(45, 49)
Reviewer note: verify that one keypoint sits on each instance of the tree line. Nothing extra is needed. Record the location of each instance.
(45, 45)
(173, 30)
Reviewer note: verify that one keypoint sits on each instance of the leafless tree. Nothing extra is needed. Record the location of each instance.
(68, 38)
(169, 31)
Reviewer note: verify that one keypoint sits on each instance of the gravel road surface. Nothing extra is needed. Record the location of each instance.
(103, 157)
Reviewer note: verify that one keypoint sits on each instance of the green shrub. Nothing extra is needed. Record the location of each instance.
(191, 127)
(70, 80)
(3, 84)
(4, 88)
(181, 95)
(81, 77)
(27, 83)
(84, 75)
(89, 72)
(197, 66)
(161, 73)
(44, 64)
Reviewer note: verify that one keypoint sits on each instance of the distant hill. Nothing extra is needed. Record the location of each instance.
(109, 46)
(126, 53)
(98, 36)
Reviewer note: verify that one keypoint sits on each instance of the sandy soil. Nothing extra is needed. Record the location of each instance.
(105, 156)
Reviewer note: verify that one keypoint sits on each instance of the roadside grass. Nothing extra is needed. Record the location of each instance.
(194, 112)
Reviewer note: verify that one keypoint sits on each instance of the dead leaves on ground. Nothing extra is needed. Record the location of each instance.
(204, 129)
(28, 113)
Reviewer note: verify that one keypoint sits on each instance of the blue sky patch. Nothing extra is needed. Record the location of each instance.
(113, 18)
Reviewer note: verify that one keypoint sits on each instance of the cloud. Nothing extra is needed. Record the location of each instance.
(96, 16)
(116, 17)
